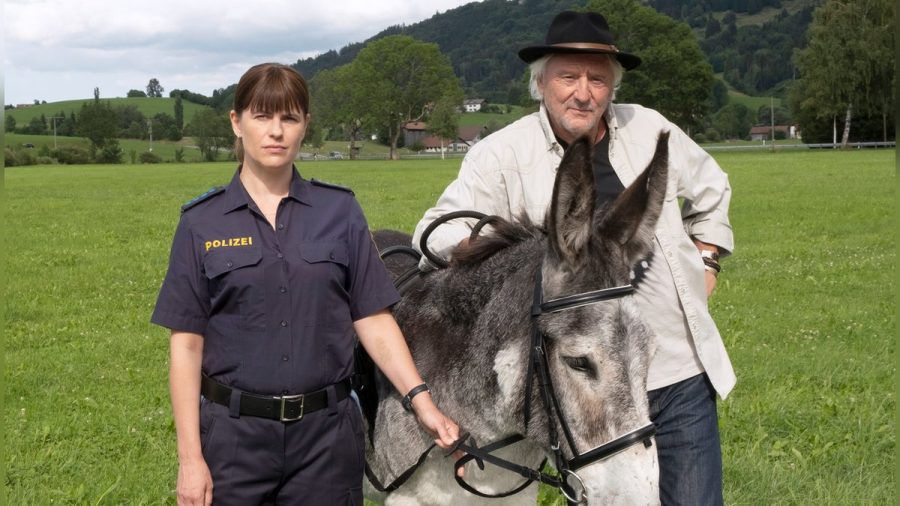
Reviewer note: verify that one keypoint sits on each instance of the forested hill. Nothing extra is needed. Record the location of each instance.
(481, 39)
(750, 42)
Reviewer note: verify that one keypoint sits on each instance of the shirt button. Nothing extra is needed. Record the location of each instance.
(283, 323)
(282, 289)
(229, 263)
(279, 255)
(281, 226)
(284, 358)
(331, 256)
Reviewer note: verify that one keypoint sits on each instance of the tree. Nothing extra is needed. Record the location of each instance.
(135, 94)
(333, 107)
(154, 89)
(179, 113)
(97, 122)
(444, 120)
(675, 77)
(398, 79)
(848, 66)
(733, 121)
(96, 93)
(211, 131)
(10, 124)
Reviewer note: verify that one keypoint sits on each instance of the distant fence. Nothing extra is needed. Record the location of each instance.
(778, 147)
(740, 147)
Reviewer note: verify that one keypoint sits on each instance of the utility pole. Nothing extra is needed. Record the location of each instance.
(150, 131)
(772, 118)
(53, 119)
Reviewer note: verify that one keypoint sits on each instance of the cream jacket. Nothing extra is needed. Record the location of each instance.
(514, 169)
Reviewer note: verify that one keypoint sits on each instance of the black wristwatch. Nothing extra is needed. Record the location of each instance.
(406, 401)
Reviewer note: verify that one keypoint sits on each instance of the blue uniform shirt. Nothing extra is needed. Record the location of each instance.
(275, 306)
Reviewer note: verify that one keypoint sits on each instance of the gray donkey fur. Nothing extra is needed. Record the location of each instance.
(468, 328)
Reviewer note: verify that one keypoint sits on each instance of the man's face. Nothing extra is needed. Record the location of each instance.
(576, 88)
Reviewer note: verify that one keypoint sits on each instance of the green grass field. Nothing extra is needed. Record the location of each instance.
(148, 106)
(806, 306)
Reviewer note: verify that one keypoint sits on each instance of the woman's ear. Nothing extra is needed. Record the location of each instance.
(235, 123)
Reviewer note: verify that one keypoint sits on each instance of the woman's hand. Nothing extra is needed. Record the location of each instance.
(443, 429)
(195, 485)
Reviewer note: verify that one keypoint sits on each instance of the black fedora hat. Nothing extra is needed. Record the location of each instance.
(579, 33)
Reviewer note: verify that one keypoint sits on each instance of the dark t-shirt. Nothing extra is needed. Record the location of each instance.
(275, 306)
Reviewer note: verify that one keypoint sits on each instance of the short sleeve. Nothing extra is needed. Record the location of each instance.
(183, 302)
(371, 287)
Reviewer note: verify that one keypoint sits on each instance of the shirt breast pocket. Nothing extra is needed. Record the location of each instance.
(324, 262)
(235, 285)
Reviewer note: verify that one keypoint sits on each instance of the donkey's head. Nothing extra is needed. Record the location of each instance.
(599, 353)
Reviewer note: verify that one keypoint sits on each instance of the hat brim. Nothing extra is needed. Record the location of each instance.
(530, 54)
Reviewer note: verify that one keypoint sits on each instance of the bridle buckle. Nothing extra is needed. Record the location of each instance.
(290, 398)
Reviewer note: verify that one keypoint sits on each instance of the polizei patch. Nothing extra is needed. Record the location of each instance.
(228, 243)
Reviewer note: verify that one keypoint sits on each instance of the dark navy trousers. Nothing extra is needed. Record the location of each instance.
(687, 441)
(317, 460)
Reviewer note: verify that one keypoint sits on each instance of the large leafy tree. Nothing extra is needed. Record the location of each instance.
(848, 66)
(332, 104)
(396, 80)
(674, 78)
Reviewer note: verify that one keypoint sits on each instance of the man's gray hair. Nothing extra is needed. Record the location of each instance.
(537, 72)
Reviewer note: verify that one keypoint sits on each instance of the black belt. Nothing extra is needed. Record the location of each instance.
(285, 408)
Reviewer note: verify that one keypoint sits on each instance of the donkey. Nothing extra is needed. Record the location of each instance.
(468, 327)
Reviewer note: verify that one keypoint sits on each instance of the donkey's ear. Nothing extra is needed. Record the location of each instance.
(569, 220)
(631, 220)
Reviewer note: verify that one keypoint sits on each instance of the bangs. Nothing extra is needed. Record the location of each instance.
(275, 89)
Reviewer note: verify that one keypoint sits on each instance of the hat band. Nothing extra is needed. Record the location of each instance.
(586, 45)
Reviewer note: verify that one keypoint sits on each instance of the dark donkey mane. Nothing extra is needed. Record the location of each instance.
(503, 234)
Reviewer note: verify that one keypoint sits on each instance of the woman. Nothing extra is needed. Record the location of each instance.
(269, 278)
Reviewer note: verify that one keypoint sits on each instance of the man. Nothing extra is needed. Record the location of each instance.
(574, 75)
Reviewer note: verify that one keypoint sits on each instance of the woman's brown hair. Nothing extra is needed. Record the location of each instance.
(270, 88)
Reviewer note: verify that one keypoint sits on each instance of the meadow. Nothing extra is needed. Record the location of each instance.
(148, 106)
(806, 306)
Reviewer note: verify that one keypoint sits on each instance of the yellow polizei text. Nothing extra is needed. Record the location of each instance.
(229, 243)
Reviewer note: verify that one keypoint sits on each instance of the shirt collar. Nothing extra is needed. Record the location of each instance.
(553, 144)
(236, 195)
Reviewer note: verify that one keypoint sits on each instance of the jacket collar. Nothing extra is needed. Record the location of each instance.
(236, 195)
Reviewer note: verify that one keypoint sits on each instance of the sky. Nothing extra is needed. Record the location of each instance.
(61, 49)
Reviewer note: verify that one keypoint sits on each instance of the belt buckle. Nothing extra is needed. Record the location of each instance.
(291, 398)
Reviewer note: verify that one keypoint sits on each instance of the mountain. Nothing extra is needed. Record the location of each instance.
(749, 42)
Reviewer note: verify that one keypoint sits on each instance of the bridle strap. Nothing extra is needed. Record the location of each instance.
(609, 449)
(583, 299)
(481, 454)
(400, 480)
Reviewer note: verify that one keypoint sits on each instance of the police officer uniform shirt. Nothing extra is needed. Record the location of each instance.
(276, 306)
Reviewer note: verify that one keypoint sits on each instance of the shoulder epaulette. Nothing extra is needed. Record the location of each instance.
(323, 184)
(202, 197)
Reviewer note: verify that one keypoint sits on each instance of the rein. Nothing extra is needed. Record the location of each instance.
(538, 366)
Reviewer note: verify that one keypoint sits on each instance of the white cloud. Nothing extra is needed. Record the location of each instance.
(61, 49)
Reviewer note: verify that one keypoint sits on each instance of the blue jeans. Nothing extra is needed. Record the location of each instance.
(687, 441)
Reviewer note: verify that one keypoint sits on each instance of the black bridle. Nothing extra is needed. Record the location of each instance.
(539, 369)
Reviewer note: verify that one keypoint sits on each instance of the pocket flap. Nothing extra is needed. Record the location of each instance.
(314, 252)
(222, 260)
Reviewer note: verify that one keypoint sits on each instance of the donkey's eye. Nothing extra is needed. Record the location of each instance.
(581, 364)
